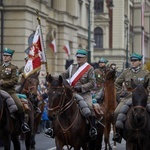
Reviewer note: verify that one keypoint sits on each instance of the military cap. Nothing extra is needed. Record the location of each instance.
(8, 52)
(81, 53)
(103, 60)
(135, 56)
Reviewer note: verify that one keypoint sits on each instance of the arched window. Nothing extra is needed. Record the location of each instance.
(98, 37)
(99, 5)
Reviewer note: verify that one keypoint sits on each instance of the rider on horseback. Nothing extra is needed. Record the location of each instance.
(8, 80)
(81, 77)
(139, 76)
(99, 74)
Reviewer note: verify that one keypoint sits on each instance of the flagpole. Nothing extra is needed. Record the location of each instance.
(43, 45)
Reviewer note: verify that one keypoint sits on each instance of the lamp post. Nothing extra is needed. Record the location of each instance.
(127, 33)
(89, 32)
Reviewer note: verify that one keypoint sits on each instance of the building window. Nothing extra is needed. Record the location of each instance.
(98, 37)
(98, 5)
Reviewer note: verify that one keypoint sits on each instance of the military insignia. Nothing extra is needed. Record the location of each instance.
(8, 71)
(99, 75)
(17, 72)
(141, 79)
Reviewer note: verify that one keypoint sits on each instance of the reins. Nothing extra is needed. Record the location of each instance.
(137, 129)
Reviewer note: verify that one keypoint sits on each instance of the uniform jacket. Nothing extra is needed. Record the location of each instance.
(86, 81)
(99, 77)
(139, 77)
(9, 77)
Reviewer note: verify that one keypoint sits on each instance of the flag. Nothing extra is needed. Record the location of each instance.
(52, 45)
(67, 49)
(36, 54)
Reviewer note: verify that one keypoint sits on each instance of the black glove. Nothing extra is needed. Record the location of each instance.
(77, 88)
(123, 94)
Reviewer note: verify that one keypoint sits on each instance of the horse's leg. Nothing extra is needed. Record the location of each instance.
(106, 135)
(16, 142)
(7, 142)
(33, 141)
(59, 144)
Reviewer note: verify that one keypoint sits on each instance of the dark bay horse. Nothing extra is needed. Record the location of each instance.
(70, 127)
(10, 128)
(29, 87)
(109, 103)
(5, 126)
(136, 130)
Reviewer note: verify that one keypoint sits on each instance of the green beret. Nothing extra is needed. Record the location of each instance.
(103, 60)
(8, 51)
(81, 53)
(135, 56)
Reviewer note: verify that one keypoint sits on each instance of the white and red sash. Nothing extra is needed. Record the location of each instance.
(79, 73)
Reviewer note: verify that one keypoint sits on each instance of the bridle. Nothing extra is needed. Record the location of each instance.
(61, 107)
(137, 129)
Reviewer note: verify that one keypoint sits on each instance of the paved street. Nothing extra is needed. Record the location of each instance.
(44, 143)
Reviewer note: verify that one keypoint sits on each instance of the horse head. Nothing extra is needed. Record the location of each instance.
(60, 95)
(30, 86)
(139, 101)
(110, 71)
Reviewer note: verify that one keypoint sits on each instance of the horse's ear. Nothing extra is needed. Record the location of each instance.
(146, 84)
(60, 79)
(133, 85)
(49, 78)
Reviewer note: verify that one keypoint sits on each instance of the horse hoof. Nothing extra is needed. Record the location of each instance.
(114, 147)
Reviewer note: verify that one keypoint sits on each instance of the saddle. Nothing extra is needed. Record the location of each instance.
(24, 101)
(98, 110)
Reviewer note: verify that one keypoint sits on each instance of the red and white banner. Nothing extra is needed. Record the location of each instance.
(78, 74)
(36, 54)
(67, 49)
(52, 45)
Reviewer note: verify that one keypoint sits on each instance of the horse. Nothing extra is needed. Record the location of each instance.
(136, 130)
(5, 127)
(29, 87)
(109, 103)
(10, 128)
(70, 127)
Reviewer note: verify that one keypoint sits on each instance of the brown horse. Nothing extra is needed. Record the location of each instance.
(29, 87)
(10, 128)
(70, 127)
(109, 103)
(5, 127)
(136, 130)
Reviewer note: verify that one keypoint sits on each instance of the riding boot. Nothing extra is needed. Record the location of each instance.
(24, 126)
(50, 132)
(36, 108)
(118, 136)
(93, 130)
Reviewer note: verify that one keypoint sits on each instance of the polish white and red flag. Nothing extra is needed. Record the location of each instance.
(52, 45)
(36, 54)
(67, 49)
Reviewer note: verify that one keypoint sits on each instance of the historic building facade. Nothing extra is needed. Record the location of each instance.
(114, 33)
(66, 21)
(122, 30)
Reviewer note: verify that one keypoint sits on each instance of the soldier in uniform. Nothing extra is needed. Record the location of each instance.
(83, 86)
(139, 76)
(99, 74)
(8, 79)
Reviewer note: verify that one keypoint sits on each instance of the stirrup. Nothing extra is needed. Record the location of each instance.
(117, 138)
(25, 128)
(38, 110)
(49, 133)
(93, 132)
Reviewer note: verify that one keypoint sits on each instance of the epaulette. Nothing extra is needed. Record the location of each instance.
(147, 71)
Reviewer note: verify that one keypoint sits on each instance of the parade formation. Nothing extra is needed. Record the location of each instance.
(77, 107)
